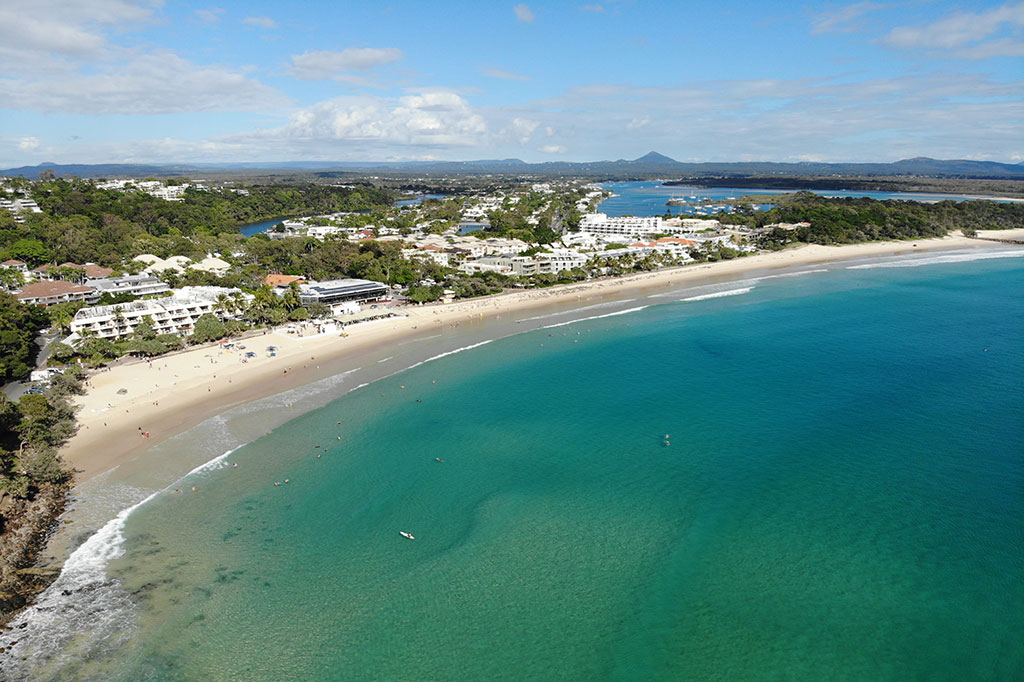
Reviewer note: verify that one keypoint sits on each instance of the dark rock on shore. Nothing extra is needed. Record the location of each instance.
(26, 525)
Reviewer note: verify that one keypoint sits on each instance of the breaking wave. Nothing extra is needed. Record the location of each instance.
(936, 260)
(719, 294)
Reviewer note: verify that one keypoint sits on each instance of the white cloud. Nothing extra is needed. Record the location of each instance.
(41, 30)
(638, 123)
(553, 149)
(524, 13)
(28, 144)
(505, 75)
(959, 29)
(523, 129)
(843, 19)
(1003, 47)
(260, 22)
(425, 119)
(599, 9)
(321, 64)
(211, 16)
(156, 83)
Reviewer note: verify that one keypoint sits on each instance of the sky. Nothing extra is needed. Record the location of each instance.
(162, 81)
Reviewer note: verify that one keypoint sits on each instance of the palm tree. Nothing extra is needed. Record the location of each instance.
(223, 304)
(291, 299)
(238, 299)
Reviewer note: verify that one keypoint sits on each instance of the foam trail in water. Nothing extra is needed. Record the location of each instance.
(596, 317)
(84, 613)
(719, 294)
(451, 352)
(791, 274)
(935, 260)
(385, 359)
(577, 310)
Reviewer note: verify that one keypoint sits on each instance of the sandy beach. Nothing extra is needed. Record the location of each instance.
(130, 407)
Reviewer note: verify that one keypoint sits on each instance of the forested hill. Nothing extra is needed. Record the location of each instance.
(652, 164)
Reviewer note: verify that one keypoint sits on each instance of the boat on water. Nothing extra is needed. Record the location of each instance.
(406, 535)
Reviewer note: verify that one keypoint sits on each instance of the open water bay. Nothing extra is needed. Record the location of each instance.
(839, 497)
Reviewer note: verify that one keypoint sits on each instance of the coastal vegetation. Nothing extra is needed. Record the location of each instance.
(33, 482)
(82, 223)
(964, 184)
(19, 325)
(822, 220)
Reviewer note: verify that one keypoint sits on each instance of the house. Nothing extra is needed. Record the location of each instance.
(279, 280)
(15, 265)
(90, 271)
(48, 293)
(176, 264)
(213, 265)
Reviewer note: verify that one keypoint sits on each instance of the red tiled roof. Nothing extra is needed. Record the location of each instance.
(674, 240)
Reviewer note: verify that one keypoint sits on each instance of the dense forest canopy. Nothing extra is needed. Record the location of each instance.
(848, 220)
(82, 223)
(19, 325)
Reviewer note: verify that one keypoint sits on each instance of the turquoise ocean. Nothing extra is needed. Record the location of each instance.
(808, 474)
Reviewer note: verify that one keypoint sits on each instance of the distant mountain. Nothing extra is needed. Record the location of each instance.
(650, 165)
(654, 159)
(101, 170)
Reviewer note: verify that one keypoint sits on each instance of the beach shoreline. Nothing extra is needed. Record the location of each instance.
(171, 394)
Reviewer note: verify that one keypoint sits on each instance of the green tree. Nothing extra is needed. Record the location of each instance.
(11, 278)
(144, 329)
(31, 251)
(61, 352)
(61, 314)
(208, 328)
(424, 294)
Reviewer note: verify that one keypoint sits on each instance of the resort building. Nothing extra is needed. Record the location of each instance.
(340, 291)
(524, 266)
(17, 207)
(630, 226)
(59, 291)
(176, 314)
(136, 285)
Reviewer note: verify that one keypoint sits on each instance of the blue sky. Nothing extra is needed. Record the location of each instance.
(106, 81)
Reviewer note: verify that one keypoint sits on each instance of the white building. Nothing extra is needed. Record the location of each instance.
(176, 314)
(136, 285)
(630, 226)
(340, 291)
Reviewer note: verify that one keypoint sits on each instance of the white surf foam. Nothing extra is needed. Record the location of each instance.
(936, 260)
(84, 612)
(576, 310)
(451, 352)
(719, 294)
(596, 317)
